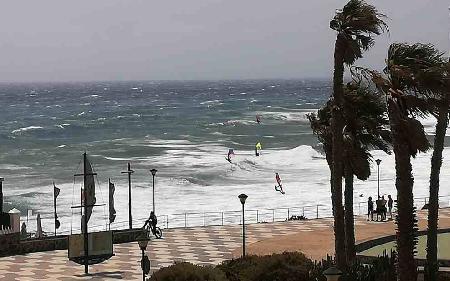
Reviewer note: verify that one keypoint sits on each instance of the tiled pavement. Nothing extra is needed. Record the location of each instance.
(199, 245)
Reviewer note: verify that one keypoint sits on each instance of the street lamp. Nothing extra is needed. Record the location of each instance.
(145, 262)
(153, 171)
(378, 165)
(332, 274)
(1, 195)
(242, 198)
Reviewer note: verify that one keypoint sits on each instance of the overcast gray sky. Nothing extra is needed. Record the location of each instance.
(57, 40)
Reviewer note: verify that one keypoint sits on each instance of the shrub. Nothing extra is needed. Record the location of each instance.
(188, 272)
(277, 267)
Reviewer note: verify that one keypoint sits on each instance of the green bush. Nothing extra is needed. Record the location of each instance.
(277, 267)
(188, 272)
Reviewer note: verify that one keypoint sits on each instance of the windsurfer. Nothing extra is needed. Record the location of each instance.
(278, 187)
(257, 148)
(230, 152)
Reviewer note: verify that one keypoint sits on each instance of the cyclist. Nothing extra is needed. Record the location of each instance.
(151, 221)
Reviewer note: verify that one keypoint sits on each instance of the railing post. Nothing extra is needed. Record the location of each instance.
(317, 211)
(288, 214)
(303, 211)
(273, 215)
(257, 216)
(167, 221)
(222, 218)
(185, 220)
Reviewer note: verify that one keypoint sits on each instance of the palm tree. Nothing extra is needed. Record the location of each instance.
(436, 163)
(355, 25)
(409, 92)
(365, 122)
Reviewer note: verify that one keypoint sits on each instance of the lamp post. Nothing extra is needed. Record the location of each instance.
(153, 171)
(332, 274)
(129, 172)
(449, 35)
(242, 198)
(378, 165)
(145, 262)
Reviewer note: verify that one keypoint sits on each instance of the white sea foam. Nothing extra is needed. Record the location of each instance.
(232, 123)
(286, 116)
(25, 129)
(201, 171)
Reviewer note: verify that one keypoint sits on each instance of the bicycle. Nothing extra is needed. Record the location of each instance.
(153, 230)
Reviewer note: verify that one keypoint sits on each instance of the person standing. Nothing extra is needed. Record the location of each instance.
(370, 209)
(390, 205)
(383, 209)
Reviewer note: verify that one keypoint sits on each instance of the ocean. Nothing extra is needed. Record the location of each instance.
(184, 130)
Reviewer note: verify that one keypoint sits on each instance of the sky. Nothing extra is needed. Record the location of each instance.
(85, 40)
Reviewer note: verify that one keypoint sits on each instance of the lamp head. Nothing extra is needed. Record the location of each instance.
(332, 274)
(378, 161)
(153, 171)
(2, 179)
(242, 197)
(143, 243)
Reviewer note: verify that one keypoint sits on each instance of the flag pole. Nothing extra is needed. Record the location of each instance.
(54, 204)
(86, 237)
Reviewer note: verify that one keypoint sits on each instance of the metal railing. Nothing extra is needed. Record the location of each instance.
(220, 218)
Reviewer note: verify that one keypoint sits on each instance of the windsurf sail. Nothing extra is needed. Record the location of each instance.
(230, 152)
(258, 118)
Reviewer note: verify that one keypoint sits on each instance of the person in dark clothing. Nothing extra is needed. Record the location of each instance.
(390, 205)
(152, 221)
(370, 209)
(383, 209)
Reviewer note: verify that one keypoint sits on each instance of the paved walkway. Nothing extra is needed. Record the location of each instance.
(199, 245)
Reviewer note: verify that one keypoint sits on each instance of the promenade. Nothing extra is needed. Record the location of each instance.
(200, 245)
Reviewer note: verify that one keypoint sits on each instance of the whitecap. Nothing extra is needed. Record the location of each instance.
(82, 113)
(61, 146)
(210, 102)
(24, 129)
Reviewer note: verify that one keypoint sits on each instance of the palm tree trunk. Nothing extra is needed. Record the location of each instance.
(406, 220)
(337, 142)
(433, 205)
(349, 218)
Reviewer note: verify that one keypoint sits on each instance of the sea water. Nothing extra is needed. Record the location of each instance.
(184, 130)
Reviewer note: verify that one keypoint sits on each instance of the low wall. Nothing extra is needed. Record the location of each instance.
(11, 244)
(365, 245)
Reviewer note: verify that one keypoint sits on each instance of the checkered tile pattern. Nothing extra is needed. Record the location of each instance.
(199, 245)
